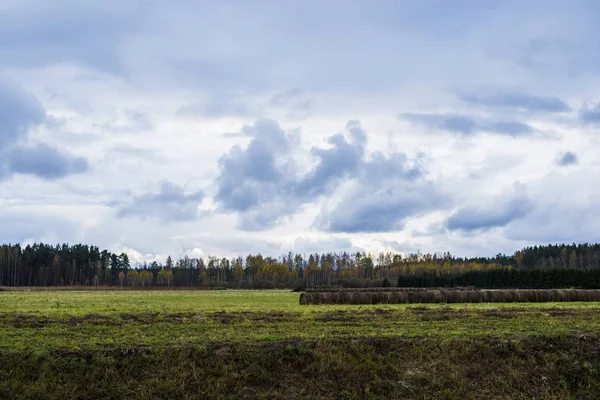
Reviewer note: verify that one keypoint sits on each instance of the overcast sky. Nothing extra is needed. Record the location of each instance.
(238, 127)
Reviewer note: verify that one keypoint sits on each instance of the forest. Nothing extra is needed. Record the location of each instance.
(559, 265)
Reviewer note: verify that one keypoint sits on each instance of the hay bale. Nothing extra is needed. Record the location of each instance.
(413, 296)
(389, 297)
(305, 299)
(437, 296)
(497, 296)
(400, 297)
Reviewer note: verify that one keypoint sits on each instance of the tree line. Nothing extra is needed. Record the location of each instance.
(82, 265)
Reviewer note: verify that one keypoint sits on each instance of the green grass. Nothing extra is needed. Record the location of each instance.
(108, 302)
(82, 320)
(127, 301)
(248, 344)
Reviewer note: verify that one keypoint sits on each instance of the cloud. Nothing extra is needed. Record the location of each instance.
(221, 106)
(567, 159)
(386, 192)
(257, 174)
(498, 213)
(19, 112)
(42, 161)
(295, 101)
(566, 209)
(170, 203)
(514, 129)
(256, 183)
(590, 116)
(467, 126)
(453, 123)
(518, 101)
(382, 209)
(403, 247)
(117, 69)
(261, 181)
(18, 226)
(342, 159)
(261, 184)
(284, 98)
(138, 120)
(36, 34)
(303, 244)
(233, 245)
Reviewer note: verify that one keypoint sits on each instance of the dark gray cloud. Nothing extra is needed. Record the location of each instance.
(566, 159)
(519, 101)
(42, 161)
(170, 203)
(498, 213)
(466, 125)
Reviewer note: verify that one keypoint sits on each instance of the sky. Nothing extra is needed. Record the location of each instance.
(233, 127)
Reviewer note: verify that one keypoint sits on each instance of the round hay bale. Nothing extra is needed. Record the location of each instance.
(437, 296)
(486, 296)
(414, 297)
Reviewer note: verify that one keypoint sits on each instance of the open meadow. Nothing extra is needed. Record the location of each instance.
(239, 344)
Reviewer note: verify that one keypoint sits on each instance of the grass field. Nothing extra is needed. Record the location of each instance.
(248, 344)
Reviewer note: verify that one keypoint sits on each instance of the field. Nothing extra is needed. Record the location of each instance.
(263, 344)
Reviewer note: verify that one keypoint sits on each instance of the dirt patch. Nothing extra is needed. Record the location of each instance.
(380, 311)
(223, 352)
(561, 312)
(273, 317)
(439, 314)
(505, 313)
(97, 319)
(226, 318)
(25, 320)
(338, 316)
(41, 321)
(139, 318)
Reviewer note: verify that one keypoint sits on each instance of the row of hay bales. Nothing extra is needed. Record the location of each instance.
(379, 289)
(448, 296)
